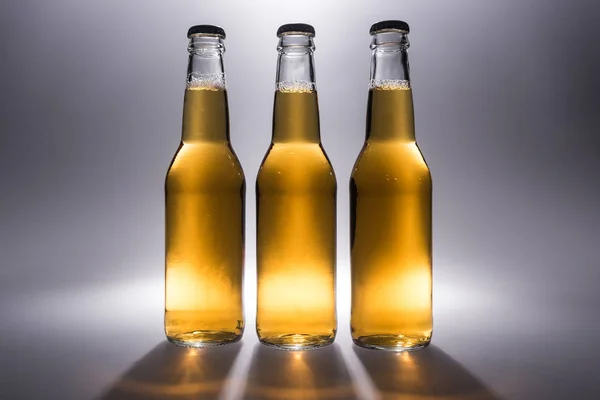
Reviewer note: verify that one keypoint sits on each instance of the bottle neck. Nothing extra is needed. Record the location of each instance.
(296, 109)
(390, 114)
(205, 111)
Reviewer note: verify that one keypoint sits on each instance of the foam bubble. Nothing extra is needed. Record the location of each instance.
(389, 84)
(206, 81)
(296, 86)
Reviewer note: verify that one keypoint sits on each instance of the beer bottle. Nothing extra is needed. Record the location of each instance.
(296, 209)
(390, 210)
(205, 193)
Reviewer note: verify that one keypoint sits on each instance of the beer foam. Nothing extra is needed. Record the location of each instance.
(389, 84)
(296, 86)
(206, 81)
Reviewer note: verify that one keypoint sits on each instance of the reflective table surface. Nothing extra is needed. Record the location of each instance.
(106, 343)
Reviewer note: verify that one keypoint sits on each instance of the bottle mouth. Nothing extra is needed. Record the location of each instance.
(390, 40)
(207, 35)
(296, 43)
(206, 44)
(291, 33)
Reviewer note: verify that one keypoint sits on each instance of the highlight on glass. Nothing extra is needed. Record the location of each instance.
(204, 218)
(296, 209)
(391, 209)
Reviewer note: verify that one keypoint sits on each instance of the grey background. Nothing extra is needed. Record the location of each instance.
(506, 98)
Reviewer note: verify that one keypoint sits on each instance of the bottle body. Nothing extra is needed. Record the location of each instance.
(296, 210)
(205, 195)
(296, 228)
(391, 227)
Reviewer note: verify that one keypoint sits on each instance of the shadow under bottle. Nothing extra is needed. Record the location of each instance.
(428, 374)
(171, 372)
(306, 375)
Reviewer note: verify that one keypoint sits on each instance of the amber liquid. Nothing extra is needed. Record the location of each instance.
(296, 228)
(391, 229)
(205, 191)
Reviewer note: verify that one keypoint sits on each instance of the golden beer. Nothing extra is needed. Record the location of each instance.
(205, 193)
(296, 223)
(391, 219)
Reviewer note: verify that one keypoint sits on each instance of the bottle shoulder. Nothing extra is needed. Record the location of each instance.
(205, 164)
(296, 166)
(390, 163)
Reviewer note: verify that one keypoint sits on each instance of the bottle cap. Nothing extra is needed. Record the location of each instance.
(206, 30)
(304, 29)
(389, 26)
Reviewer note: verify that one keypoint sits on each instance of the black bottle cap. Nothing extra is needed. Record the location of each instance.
(389, 25)
(206, 30)
(296, 28)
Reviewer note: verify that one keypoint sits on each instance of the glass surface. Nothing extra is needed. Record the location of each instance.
(296, 216)
(391, 223)
(205, 194)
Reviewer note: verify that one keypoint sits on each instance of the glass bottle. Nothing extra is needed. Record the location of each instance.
(296, 209)
(205, 193)
(391, 202)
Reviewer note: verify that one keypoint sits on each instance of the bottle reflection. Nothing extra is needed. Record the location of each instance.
(170, 372)
(307, 375)
(428, 374)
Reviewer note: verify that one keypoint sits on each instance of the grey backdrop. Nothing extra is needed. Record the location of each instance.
(506, 98)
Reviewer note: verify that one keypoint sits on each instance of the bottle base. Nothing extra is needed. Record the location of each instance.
(395, 343)
(297, 341)
(204, 338)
